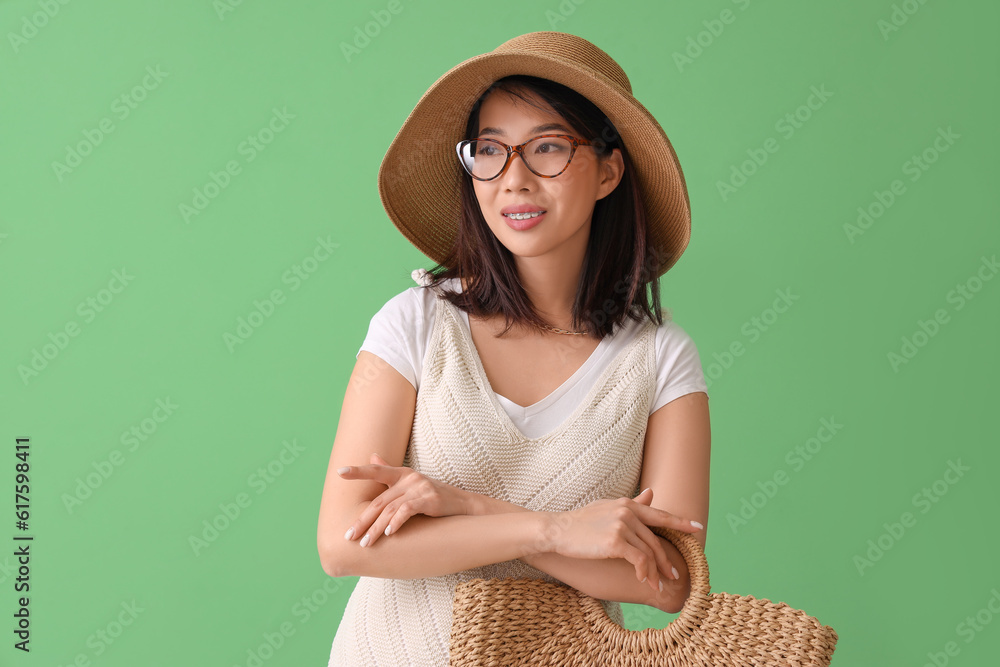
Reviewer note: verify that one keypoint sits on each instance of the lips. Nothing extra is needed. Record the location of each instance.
(524, 224)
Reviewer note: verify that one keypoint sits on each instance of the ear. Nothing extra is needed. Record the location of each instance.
(611, 169)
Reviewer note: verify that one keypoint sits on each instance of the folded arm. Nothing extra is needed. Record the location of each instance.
(605, 579)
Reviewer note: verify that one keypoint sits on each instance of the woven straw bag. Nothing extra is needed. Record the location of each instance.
(501, 622)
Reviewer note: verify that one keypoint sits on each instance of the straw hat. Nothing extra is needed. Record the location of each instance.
(419, 179)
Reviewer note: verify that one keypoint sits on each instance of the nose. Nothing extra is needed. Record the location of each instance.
(517, 174)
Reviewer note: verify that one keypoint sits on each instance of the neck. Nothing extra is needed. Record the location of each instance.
(551, 283)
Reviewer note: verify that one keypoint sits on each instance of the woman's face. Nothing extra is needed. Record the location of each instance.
(567, 200)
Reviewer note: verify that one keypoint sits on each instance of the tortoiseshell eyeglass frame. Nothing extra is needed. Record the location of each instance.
(518, 149)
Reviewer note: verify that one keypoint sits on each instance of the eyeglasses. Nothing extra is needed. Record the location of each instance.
(546, 155)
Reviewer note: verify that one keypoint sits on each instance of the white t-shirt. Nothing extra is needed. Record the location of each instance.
(400, 332)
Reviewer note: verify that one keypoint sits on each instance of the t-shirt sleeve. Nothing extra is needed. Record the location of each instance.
(678, 368)
(397, 333)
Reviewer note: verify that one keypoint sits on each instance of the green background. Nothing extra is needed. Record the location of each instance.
(222, 75)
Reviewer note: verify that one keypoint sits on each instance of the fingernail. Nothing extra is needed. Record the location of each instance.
(343, 470)
(661, 585)
(644, 580)
(388, 529)
(674, 570)
(349, 534)
(365, 540)
(697, 525)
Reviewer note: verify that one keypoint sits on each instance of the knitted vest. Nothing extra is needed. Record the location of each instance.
(462, 436)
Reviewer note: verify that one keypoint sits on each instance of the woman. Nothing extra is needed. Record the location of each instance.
(503, 415)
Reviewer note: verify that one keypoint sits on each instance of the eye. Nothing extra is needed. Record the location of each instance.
(547, 147)
(487, 149)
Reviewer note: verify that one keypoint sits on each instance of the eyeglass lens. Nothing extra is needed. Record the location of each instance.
(485, 158)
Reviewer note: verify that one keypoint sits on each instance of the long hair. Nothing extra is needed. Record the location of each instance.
(619, 265)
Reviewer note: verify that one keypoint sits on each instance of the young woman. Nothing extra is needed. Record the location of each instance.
(504, 415)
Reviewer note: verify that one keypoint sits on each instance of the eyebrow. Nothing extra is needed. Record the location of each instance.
(535, 130)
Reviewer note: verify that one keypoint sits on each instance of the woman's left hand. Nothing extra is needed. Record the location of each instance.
(409, 493)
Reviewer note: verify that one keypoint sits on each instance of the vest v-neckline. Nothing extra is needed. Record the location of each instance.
(557, 393)
(491, 396)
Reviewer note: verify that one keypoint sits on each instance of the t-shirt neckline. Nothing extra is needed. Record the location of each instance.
(540, 406)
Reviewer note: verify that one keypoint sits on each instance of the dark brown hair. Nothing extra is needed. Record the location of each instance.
(619, 263)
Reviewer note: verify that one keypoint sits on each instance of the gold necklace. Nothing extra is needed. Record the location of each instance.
(563, 331)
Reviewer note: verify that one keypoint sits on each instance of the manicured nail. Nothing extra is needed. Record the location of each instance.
(697, 525)
(349, 534)
(365, 540)
(388, 529)
(661, 585)
(674, 570)
(343, 470)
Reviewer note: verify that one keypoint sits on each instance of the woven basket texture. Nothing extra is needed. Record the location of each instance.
(506, 622)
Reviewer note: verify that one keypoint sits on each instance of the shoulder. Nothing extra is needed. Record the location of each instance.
(679, 369)
(672, 334)
(415, 303)
(669, 334)
(675, 346)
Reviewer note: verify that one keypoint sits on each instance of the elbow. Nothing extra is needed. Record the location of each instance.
(678, 597)
(334, 561)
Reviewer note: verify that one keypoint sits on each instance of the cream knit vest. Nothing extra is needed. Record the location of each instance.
(462, 435)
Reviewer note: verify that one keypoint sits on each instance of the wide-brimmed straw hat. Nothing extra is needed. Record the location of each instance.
(420, 176)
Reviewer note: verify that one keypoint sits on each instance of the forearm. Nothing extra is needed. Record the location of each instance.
(427, 546)
(607, 578)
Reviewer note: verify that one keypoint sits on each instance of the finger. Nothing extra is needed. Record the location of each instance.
(646, 499)
(638, 553)
(378, 460)
(645, 496)
(377, 529)
(379, 473)
(650, 539)
(653, 516)
(370, 514)
(401, 516)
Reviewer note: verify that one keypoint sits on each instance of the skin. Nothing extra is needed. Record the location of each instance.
(402, 524)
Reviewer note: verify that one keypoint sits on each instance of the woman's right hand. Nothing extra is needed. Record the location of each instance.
(617, 528)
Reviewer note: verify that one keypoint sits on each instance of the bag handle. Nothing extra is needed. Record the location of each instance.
(693, 613)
